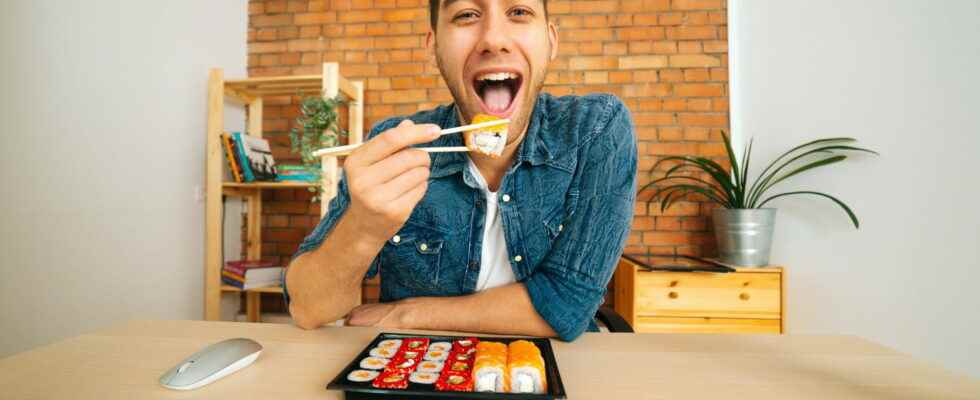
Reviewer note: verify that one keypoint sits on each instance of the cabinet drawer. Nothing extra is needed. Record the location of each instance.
(716, 295)
(705, 325)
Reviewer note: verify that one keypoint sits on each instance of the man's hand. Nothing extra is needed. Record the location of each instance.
(385, 315)
(387, 178)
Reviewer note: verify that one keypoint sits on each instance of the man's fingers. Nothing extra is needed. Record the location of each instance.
(412, 197)
(396, 164)
(405, 182)
(393, 140)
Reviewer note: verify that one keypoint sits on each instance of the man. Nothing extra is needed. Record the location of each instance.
(520, 244)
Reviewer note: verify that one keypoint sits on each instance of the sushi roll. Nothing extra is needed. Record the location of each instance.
(374, 363)
(383, 352)
(436, 355)
(460, 366)
(455, 382)
(431, 366)
(425, 378)
(393, 344)
(490, 368)
(391, 380)
(464, 345)
(362, 375)
(525, 367)
(406, 364)
(415, 344)
(441, 346)
(489, 140)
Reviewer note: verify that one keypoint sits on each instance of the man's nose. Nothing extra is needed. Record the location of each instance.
(495, 38)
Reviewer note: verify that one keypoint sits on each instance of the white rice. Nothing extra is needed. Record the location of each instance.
(525, 380)
(441, 346)
(431, 366)
(425, 378)
(383, 352)
(360, 375)
(436, 355)
(489, 379)
(374, 363)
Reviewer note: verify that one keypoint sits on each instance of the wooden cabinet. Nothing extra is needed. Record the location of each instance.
(749, 300)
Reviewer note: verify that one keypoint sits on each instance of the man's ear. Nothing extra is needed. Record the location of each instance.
(553, 39)
(430, 46)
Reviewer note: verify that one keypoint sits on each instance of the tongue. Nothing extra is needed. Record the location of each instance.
(497, 98)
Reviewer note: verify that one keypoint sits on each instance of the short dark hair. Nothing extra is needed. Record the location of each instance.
(434, 12)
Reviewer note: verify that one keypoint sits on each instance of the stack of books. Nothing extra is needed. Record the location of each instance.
(296, 173)
(251, 274)
(249, 157)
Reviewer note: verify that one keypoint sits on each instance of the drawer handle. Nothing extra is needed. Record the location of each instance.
(744, 296)
(672, 295)
(673, 283)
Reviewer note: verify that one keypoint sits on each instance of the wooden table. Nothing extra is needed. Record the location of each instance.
(125, 361)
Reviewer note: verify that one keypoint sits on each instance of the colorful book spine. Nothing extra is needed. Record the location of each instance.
(232, 158)
(236, 277)
(243, 158)
(232, 282)
(239, 267)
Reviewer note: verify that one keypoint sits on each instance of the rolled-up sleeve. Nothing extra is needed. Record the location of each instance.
(338, 206)
(570, 283)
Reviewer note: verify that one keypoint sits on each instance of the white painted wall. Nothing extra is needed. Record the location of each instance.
(102, 125)
(902, 77)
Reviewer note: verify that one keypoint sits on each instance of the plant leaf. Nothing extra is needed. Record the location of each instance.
(762, 185)
(719, 195)
(847, 209)
(713, 169)
(755, 189)
(746, 158)
(704, 191)
(737, 188)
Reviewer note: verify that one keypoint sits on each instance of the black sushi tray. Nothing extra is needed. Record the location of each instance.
(364, 390)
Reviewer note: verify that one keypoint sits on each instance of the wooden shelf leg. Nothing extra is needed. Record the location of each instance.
(213, 207)
(253, 306)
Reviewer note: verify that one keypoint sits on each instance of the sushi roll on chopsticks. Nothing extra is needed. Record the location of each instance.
(525, 368)
(487, 140)
(490, 368)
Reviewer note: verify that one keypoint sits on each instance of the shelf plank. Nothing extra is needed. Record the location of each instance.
(269, 185)
(273, 289)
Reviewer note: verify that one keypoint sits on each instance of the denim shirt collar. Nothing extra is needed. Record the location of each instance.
(532, 148)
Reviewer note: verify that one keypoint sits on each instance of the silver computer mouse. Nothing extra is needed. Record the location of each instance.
(211, 363)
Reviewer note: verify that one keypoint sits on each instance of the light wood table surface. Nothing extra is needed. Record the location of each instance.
(125, 362)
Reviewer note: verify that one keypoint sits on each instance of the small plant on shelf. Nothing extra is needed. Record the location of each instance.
(317, 128)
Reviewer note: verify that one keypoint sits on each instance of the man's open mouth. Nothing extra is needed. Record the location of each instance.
(497, 91)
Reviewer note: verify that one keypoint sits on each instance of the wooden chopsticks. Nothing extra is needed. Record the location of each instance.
(345, 150)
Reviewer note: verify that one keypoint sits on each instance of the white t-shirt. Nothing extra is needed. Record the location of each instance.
(495, 269)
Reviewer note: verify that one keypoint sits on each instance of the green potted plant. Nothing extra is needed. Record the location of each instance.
(317, 128)
(743, 226)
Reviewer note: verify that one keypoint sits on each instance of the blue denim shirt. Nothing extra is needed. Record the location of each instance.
(566, 205)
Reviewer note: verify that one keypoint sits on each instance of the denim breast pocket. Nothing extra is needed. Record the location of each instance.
(412, 257)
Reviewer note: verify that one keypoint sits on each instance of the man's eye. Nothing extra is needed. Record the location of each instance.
(521, 12)
(465, 16)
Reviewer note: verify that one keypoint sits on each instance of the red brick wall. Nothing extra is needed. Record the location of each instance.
(666, 59)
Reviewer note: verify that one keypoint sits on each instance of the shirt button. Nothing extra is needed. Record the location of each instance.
(506, 198)
(560, 227)
(423, 247)
(518, 258)
(396, 239)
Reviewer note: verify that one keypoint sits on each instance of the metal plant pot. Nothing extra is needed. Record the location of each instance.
(744, 235)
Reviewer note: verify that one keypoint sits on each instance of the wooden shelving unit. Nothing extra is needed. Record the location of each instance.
(249, 93)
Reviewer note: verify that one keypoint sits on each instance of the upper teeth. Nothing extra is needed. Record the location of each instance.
(497, 76)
